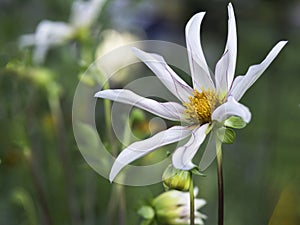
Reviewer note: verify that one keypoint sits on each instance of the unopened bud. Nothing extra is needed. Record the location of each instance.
(176, 179)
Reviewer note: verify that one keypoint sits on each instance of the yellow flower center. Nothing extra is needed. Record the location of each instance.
(201, 106)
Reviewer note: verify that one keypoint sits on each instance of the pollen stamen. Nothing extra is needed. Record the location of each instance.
(201, 106)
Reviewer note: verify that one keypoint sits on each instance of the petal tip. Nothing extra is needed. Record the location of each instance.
(283, 42)
(114, 171)
(97, 95)
(230, 9)
(230, 6)
(197, 17)
(111, 177)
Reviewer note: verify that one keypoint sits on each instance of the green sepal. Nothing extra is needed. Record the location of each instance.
(226, 135)
(235, 122)
(147, 212)
(196, 171)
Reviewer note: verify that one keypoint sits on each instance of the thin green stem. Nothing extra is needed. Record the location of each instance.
(122, 205)
(192, 201)
(107, 112)
(220, 184)
(107, 108)
(117, 198)
(58, 118)
(40, 192)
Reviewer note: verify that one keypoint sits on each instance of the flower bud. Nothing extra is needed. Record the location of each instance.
(176, 179)
(173, 207)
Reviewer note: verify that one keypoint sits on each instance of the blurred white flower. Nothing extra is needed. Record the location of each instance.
(112, 40)
(173, 208)
(209, 105)
(84, 13)
(50, 33)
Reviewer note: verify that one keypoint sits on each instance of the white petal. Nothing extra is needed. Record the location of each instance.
(231, 108)
(199, 203)
(242, 83)
(84, 13)
(168, 77)
(182, 157)
(140, 148)
(199, 221)
(168, 110)
(52, 33)
(221, 73)
(186, 220)
(198, 66)
(47, 35)
(225, 68)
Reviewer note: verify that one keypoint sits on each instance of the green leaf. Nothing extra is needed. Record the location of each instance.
(146, 212)
(226, 135)
(235, 122)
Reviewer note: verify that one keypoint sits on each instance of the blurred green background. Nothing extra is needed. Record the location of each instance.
(45, 180)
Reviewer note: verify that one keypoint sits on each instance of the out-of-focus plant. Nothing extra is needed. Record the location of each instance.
(51, 33)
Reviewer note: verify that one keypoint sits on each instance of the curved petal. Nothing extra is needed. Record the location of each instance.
(168, 77)
(225, 68)
(140, 148)
(221, 74)
(168, 110)
(182, 157)
(231, 108)
(242, 83)
(198, 66)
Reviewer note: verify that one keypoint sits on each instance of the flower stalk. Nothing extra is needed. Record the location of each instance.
(192, 201)
(58, 119)
(107, 110)
(220, 184)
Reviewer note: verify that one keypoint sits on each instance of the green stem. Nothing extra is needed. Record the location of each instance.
(192, 201)
(117, 204)
(117, 198)
(64, 157)
(220, 184)
(107, 112)
(40, 193)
